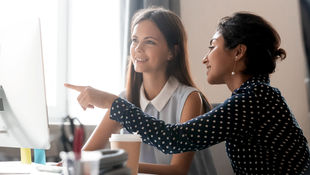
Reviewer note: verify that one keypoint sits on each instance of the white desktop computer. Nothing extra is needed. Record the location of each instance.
(23, 108)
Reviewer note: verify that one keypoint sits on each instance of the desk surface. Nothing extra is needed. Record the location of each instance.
(16, 167)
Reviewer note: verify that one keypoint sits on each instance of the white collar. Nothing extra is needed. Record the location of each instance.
(162, 98)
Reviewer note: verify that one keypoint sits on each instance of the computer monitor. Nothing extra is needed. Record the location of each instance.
(23, 108)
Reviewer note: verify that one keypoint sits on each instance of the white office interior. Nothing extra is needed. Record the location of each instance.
(200, 18)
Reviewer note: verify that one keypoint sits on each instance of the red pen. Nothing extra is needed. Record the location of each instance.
(78, 142)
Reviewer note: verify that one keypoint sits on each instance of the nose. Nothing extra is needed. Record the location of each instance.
(139, 47)
(205, 59)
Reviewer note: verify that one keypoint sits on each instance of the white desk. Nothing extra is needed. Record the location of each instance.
(16, 167)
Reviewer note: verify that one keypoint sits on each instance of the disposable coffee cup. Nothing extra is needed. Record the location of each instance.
(131, 144)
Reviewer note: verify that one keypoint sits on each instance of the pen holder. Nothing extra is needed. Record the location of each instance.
(72, 166)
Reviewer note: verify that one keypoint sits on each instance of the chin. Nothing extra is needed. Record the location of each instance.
(137, 69)
(209, 80)
(213, 81)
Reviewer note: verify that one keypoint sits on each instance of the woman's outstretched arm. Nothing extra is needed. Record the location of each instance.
(196, 134)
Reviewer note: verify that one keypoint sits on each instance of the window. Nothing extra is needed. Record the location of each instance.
(81, 45)
(94, 51)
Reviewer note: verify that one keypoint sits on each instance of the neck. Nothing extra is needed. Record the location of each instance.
(235, 81)
(153, 84)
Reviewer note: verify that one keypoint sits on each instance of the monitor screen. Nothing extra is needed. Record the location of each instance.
(23, 108)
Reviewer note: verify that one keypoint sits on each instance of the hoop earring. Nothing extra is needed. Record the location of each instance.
(233, 72)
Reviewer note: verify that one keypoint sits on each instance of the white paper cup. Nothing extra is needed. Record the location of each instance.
(131, 144)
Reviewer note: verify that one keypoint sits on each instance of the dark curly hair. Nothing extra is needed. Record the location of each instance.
(260, 38)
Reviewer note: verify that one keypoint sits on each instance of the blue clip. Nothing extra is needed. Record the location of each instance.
(39, 156)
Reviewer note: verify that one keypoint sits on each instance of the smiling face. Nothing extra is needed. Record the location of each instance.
(149, 50)
(219, 61)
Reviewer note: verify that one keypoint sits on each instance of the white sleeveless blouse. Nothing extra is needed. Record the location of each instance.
(167, 106)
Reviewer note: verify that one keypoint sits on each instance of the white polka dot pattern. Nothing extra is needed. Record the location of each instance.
(261, 134)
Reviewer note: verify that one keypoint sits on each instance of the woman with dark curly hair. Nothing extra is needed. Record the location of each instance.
(262, 135)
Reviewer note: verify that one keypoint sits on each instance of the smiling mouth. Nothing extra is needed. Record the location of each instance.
(140, 60)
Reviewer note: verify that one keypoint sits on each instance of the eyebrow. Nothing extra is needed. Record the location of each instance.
(148, 37)
(151, 37)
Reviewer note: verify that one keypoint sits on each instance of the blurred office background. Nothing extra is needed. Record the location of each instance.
(85, 43)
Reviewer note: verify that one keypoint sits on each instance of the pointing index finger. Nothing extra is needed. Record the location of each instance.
(74, 87)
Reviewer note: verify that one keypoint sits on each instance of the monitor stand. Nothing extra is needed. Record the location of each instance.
(3, 128)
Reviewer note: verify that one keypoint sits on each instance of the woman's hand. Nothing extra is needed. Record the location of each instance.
(90, 97)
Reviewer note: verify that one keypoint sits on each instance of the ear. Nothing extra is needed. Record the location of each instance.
(173, 52)
(240, 51)
(170, 55)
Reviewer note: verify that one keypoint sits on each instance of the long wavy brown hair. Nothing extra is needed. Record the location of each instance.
(173, 30)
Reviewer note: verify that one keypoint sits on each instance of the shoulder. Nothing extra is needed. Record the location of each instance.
(187, 91)
(265, 91)
(193, 106)
(184, 94)
(194, 98)
(256, 95)
(184, 90)
(122, 94)
(258, 89)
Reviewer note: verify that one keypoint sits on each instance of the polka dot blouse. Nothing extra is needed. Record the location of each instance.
(261, 134)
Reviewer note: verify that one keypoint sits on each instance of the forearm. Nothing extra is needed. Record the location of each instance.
(100, 136)
(161, 169)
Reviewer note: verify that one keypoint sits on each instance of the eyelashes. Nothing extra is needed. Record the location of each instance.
(211, 47)
(149, 42)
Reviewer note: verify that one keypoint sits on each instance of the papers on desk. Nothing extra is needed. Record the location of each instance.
(16, 167)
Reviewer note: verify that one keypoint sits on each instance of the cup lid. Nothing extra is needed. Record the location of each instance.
(125, 138)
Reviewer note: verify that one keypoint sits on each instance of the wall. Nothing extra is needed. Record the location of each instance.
(200, 18)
